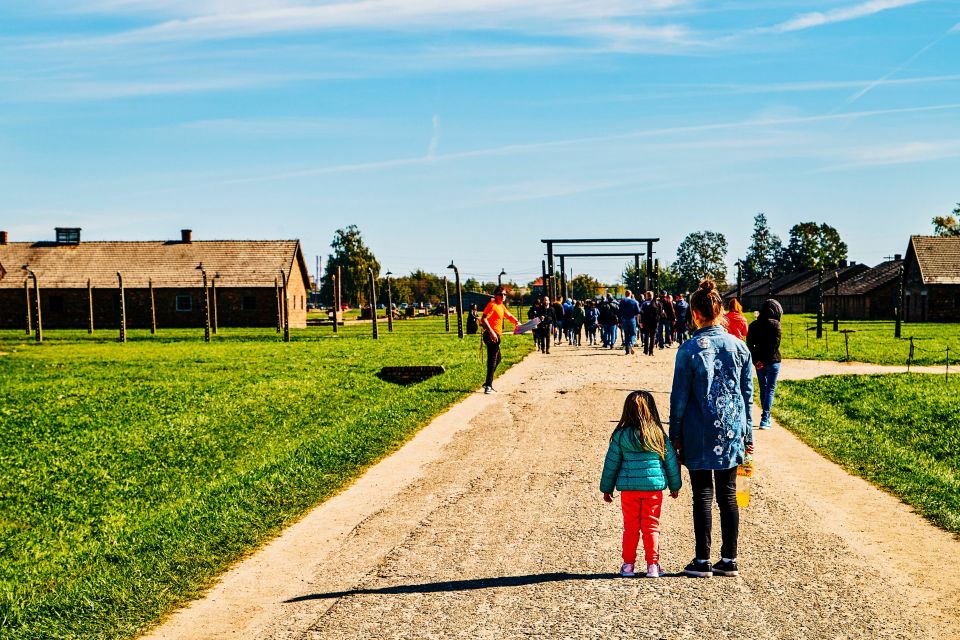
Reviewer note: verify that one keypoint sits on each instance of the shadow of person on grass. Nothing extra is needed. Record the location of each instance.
(460, 585)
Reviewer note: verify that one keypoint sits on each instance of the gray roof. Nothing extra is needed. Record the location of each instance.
(938, 258)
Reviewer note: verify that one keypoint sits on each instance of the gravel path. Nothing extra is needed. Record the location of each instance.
(489, 524)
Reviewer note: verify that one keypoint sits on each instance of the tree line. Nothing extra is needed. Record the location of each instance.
(809, 246)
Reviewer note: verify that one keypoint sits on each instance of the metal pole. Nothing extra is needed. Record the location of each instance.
(123, 309)
(646, 282)
(770, 284)
(563, 279)
(459, 305)
(543, 267)
(26, 291)
(153, 311)
(339, 290)
(636, 273)
(836, 301)
(336, 303)
(286, 306)
(90, 306)
(740, 281)
(552, 294)
(38, 320)
(819, 303)
(213, 289)
(389, 306)
(373, 302)
(276, 286)
(898, 312)
(446, 303)
(206, 307)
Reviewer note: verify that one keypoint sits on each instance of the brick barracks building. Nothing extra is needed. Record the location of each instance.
(244, 273)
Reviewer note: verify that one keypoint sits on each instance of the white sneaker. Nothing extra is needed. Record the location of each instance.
(627, 570)
(654, 570)
(489, 390)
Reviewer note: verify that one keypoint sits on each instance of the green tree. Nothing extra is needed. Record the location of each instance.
(814, 246)
(667, 279)
(354, 259)
(765, 253)
(472, 284)
(699, 254)
(585, 286)
(947, 225)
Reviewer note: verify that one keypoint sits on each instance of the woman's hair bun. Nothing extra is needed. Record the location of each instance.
(707, 285)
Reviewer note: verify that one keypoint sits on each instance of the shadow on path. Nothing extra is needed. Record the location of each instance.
(461, 585)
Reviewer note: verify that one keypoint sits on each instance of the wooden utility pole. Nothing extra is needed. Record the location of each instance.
(123, 309)
(563, 279)
(153, 310)
(90, 306)
(26, 293)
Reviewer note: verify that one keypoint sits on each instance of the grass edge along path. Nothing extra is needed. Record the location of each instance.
(901, 432)
(125, 579)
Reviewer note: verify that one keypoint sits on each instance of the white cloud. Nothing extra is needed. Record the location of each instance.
(610, 20)
(902, 153)
(841, 14)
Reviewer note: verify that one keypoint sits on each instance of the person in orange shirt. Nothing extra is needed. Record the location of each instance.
(491, 321)
(736, 323)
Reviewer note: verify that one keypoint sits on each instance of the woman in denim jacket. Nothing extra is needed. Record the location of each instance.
(710, 425)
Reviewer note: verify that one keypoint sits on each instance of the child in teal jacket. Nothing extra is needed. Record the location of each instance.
(640, 463)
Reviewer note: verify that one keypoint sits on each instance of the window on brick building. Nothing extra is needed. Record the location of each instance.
(248, 303)
(184, 303)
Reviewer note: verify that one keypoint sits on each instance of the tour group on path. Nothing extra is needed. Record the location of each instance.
(489, 524)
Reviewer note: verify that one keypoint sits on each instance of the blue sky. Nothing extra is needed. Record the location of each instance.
(470, 129)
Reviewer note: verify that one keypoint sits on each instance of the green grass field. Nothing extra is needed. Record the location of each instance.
(131, 475)
(901, 432)
(871, 341)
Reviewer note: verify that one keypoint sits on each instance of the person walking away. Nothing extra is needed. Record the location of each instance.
(492, 323)
(568, 320)
(473, 320)
(591, 321)
(681, 312)
(578, 317)
(608, 322)
(736, 323)
(628, 312)
(545, 328)
(649, 319)
(763, 340)
(710, 426)
(535, 312)
(667, 319)
(557, 322)
(640, 463)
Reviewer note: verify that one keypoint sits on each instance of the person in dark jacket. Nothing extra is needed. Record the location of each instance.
(557, 322)
(649, 319)
(682, 311)
(473, 320)
(763, 340)
(608, 322)
(667, 319)
(543, 331)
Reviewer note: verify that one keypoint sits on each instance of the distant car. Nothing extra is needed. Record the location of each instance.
(381, 306)
(344, 307)
(429, 305)
(404, 305)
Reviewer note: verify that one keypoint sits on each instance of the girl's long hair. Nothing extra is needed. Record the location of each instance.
(641, 421)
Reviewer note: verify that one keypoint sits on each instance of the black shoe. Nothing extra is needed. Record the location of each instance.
(726, 568)
(698, 569)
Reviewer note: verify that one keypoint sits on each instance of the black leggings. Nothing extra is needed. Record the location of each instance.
(493, 358)
(703, 482)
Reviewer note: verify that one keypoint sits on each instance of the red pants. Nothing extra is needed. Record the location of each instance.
(641, 514)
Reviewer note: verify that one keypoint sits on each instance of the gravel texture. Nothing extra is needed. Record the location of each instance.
(490, 525)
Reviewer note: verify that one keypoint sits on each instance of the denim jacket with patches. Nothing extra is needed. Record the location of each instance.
(711, 399)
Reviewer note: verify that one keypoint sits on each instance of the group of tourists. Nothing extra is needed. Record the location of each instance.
(657, 322)
(711, 428)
